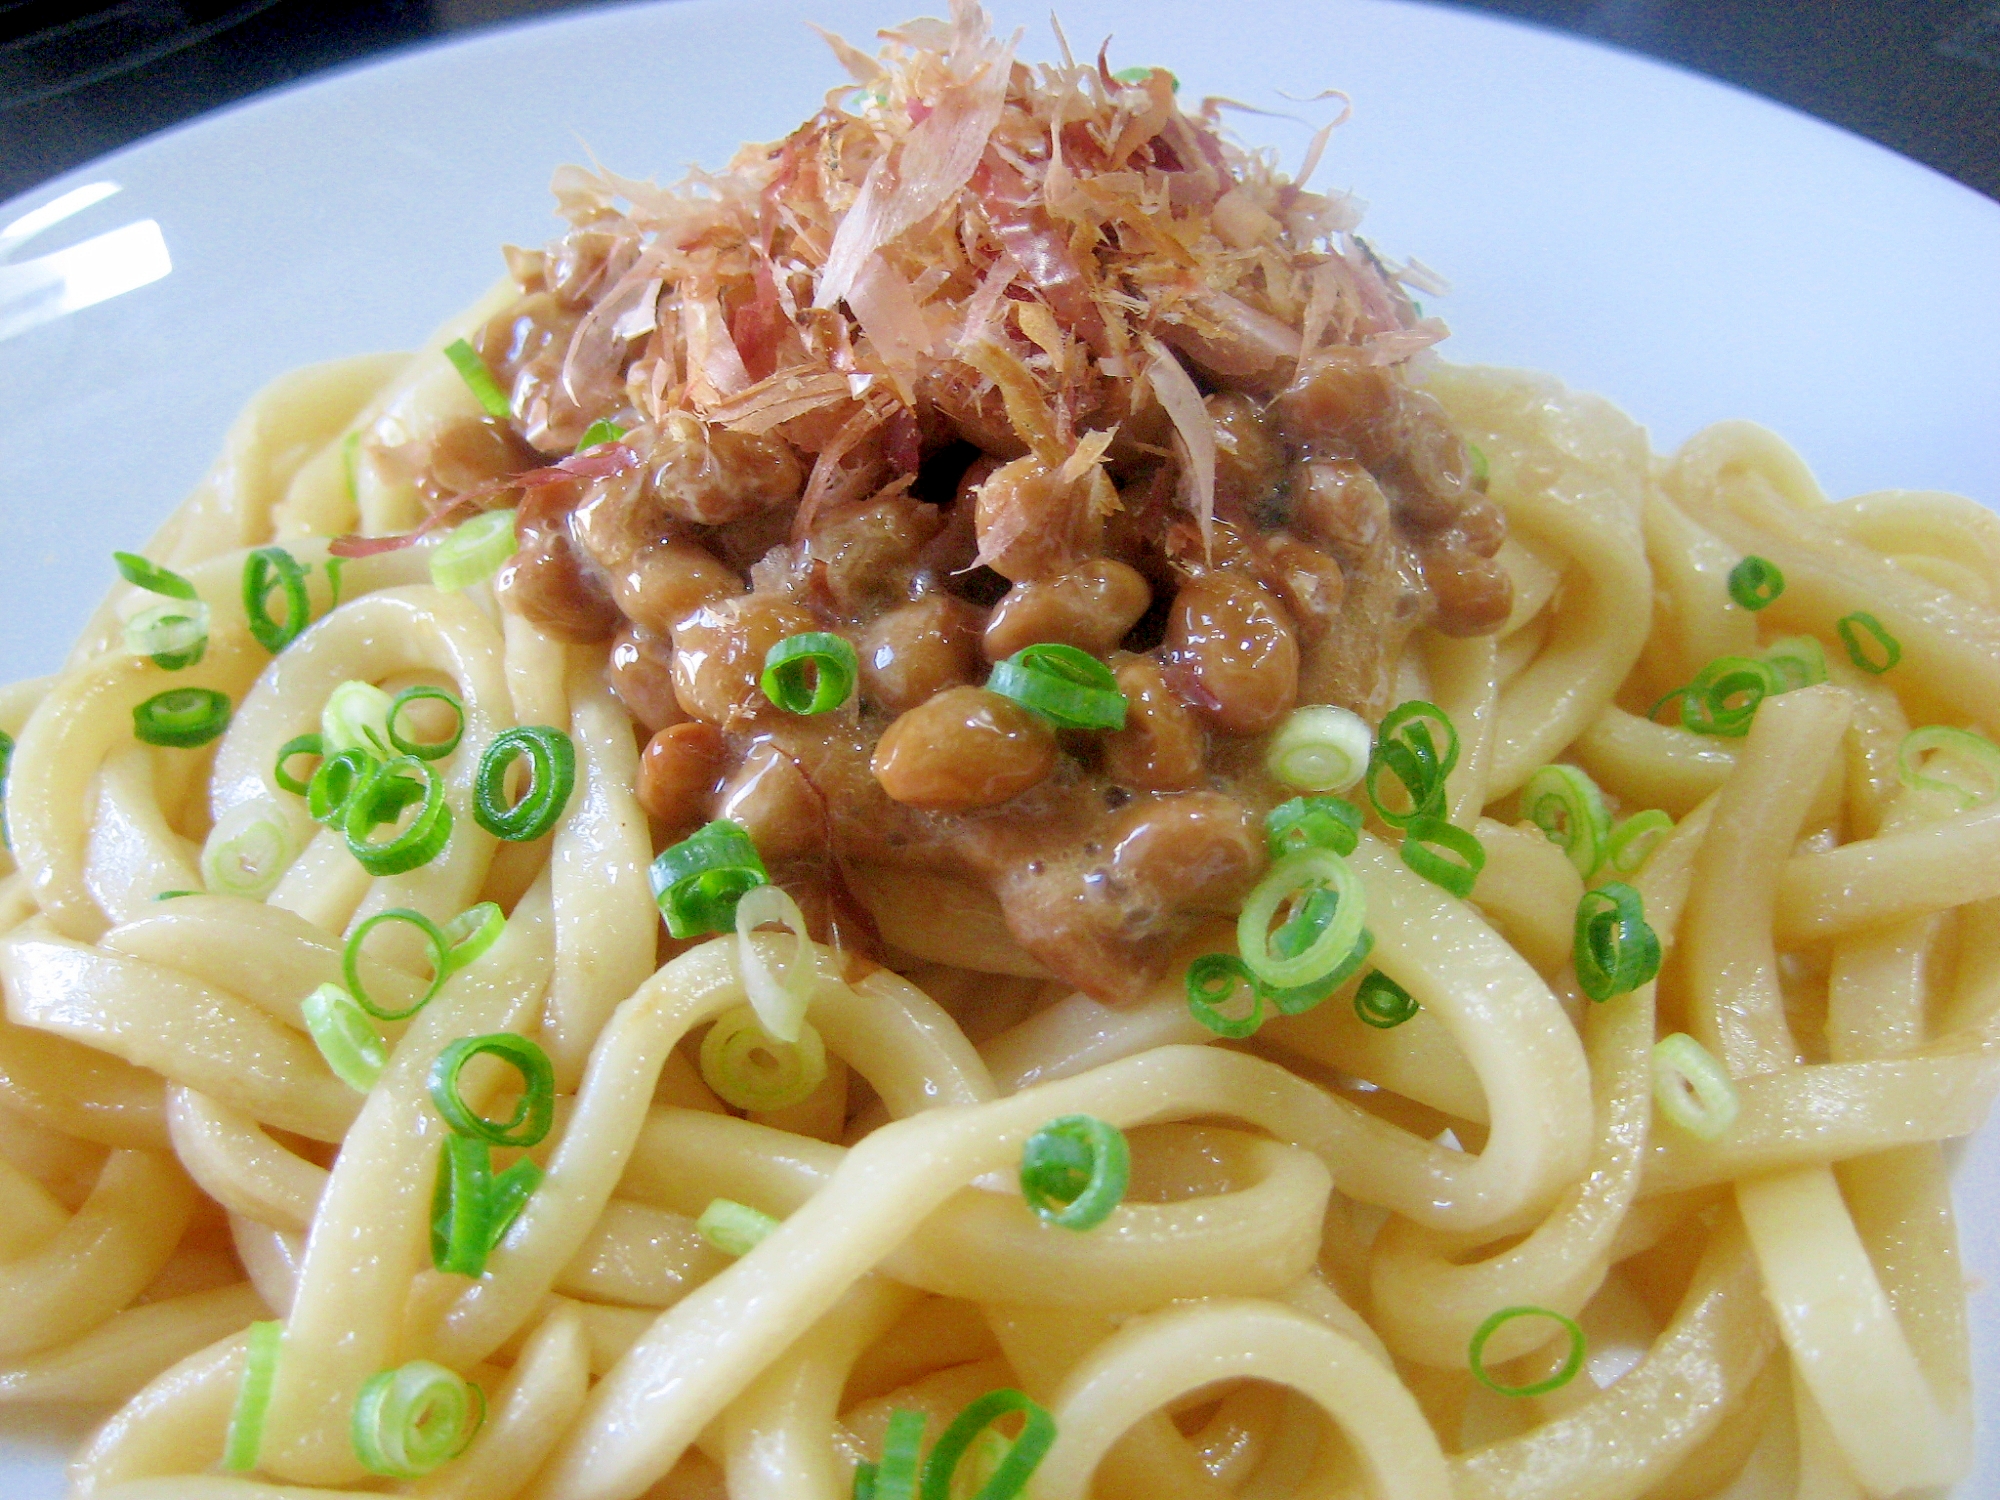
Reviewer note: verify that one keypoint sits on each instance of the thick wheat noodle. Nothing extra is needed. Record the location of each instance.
(906, 1271)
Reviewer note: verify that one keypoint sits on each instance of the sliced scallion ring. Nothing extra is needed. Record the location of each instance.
(435, 942)
(1566, 805)
(424, 749)
(1959, 749)
(1633, 841)
(533, 1113)
(248, 850)
(779, 994)
(1074, 1171)
(598, 433)
(1795, 661)
(470, 934)
(1444, 854)
(1212, 982)
(552, 776)
(356, 717)
(143, 573)
(810, 673)
(1382, 1003)
(1756, 582)
(1312, 823)
(472, 1207)
(748, 1067)
(1869, 645)
(261, 1347)
(1565, 1373)
(1070, 688)
(478, 379)
(1615, 951)
(1024, 1454)
(265, 570)
(345, 1038)
(6, 765)
(409, 1421)
(1691, 1089)
(379, 801)
(1290, 884)
(334, 780)
(733, 1228)
(173, 634)
(305, 744)
(1319, 748)
(697, 882)
(474, 550)
(896, 1476)
(181, 718)
(1417, 758)
(1722, 700)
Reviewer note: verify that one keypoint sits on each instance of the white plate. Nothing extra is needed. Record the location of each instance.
(1688, 250)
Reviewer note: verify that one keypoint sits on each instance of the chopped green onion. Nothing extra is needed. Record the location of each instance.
(1406, 748)
(552, 776)
(895, 1477)
(1633, 841)
(1070, 688)
(733, 1228)
(779, 996)
(1312, 823)
(150, 576)
(174, 634)
(1302, 998)
(1074, 1171)
(479, 379)
(1756, 582)
(1382, 1003)
(356, 717)
(350, 465)
(698, 881)
(472, 1207)
(1958, 747)
(1482, 471)
(424, 749)
(305, 744)
(334, 780)
(1572, 1362)
(271, 568)
(1319, 748)
(1024, 1454)
(434, 940)
(173, 895)
(1886, 652)
(181, 718)
(1566, 805)
(810, 673)
(1288, 886)
(411, 1420)
(602, 431)
(333, 567)
(533, 1114)
(351, 1046)
(468, 935)
(1444, 854)
(1690, 1087)
(6, 765)
(248, 850)
(748, 1067)
(379, 801)
(1615, 951)
(1722, 700)
(1144, 75)
(474, 550)
(253, 1395)
(1212, 981)
(1795, 661)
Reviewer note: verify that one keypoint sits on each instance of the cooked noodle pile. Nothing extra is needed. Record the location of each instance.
(1563, 1121)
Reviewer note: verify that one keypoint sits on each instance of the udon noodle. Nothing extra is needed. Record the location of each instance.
(1340, 1247)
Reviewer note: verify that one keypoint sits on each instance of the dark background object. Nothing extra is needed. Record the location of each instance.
(80, 77)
